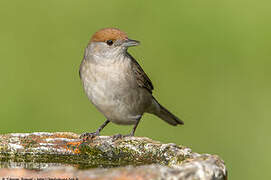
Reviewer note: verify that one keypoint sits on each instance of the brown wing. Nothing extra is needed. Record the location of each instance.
(141, 77)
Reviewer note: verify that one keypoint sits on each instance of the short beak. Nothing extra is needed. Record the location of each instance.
(130, 42)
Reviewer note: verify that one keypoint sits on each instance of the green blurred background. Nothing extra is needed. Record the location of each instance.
(209, 62)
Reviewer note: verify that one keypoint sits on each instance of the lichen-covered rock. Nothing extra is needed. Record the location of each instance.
(125, 158)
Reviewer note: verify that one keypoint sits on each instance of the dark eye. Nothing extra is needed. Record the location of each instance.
(109, 42)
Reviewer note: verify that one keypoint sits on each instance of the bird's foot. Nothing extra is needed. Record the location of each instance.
(120, 136)
(86, 135)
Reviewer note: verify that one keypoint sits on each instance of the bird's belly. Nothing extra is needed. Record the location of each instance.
(116, 98)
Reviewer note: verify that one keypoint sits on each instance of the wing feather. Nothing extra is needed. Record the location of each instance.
(142, 79)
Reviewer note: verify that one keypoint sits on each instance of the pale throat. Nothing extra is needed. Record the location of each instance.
(104, 56)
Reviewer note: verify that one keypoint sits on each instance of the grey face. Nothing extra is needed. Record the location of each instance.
(111, 48)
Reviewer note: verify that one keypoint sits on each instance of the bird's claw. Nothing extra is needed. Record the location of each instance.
(86, 135)
(120, 136)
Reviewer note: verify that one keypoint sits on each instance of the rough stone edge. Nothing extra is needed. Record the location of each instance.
(203, 165)
(68, 148)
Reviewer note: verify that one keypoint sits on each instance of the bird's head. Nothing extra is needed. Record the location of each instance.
(110, 42)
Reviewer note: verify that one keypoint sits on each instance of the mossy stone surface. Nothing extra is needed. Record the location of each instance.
(42, 150)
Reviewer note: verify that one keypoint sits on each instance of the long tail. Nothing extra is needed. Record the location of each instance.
(164, 114)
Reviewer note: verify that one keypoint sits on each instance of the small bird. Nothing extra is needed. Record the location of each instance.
(116, 84)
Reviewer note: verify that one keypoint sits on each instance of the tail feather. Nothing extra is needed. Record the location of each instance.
(167, 116)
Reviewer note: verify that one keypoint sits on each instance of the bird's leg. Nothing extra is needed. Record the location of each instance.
(134, 128)
(117, 136)
(97, 133)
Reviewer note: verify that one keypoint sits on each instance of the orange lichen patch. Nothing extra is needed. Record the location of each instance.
(108, 34)
(61, 135)
(73, 146)
(66, 135)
